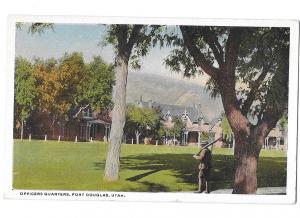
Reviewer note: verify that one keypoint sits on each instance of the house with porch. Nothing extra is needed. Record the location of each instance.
(276, 139)
(94, 125)
(196, 124)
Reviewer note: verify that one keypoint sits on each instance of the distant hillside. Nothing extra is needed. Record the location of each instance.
(171, 91)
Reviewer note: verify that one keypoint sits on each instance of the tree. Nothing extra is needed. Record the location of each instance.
(58, 85)
(130, 42)
(68, 86)
(248, 68)
(25, 92)
(96, 88)
(140, 121)
(175, 131)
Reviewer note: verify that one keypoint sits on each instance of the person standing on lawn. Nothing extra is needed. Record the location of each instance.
(204, 157)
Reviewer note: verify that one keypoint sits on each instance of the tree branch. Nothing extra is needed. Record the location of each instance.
(231, 50)
(253, 90)
(272, 114)
(227, 79)
(80, 109)
(211, 39)
(133, 37)
(199, 58)
(121, 33)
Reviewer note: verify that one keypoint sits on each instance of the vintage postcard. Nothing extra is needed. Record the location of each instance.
(148, 109)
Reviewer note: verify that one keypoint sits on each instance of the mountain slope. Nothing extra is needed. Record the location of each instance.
(171, 91)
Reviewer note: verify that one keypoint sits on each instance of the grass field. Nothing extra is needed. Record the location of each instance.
(79, 166)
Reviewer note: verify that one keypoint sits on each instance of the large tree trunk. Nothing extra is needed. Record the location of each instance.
(246, 155)
(118, 120)
(248, 142)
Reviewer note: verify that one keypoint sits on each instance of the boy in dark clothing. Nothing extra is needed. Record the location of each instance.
(204, 169)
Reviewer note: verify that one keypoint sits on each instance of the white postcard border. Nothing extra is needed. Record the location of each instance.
(289, 198)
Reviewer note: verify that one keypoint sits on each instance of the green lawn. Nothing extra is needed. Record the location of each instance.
(79, 166)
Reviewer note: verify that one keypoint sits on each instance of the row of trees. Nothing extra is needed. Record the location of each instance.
(61, 88)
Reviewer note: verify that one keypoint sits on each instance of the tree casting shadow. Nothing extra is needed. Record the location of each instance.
(271, 171)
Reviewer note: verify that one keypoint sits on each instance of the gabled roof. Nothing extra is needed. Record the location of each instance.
(275, 133)
(194, 113)
(214, 122)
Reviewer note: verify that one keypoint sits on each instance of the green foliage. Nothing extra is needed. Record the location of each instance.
(141, 120)
(71, 76)
(226, 129)
(261, 73)
(264, 67)
(59, 83)
(35, 27)
(98, 84)
(180, 59)
(176, 130)
(283, 122)
(139, 39)
(205, 136)
(60, 86)
(25, 92)
(40, 27)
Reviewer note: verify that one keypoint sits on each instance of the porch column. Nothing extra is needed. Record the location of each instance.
(94, 135)
(80, 134)
(186, 137)
(86, 132)
(277, 143)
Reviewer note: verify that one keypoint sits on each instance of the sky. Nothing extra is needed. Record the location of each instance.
(85, 38)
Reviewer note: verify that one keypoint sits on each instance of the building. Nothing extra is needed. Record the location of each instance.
(276, 139)
(196, 123)
(94, 125)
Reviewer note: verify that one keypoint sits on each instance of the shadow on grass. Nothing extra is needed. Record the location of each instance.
(271, 170)
(140, 176)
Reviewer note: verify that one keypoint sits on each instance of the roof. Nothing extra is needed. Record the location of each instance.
(214, 122)
(275, 133)
(194, 113)
(98, 121)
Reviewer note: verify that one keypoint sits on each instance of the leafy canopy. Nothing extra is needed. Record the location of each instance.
(25, 92)
(261, 73)
(141, 120)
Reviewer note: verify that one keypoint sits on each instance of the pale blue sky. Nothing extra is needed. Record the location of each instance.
(64, 38)
(84, 38)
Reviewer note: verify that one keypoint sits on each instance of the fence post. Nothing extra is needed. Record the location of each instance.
(132, 141)
(91, 139)
(58, 138)
(156, 142)
(76, 139)
(29, 138)
(46, 137)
